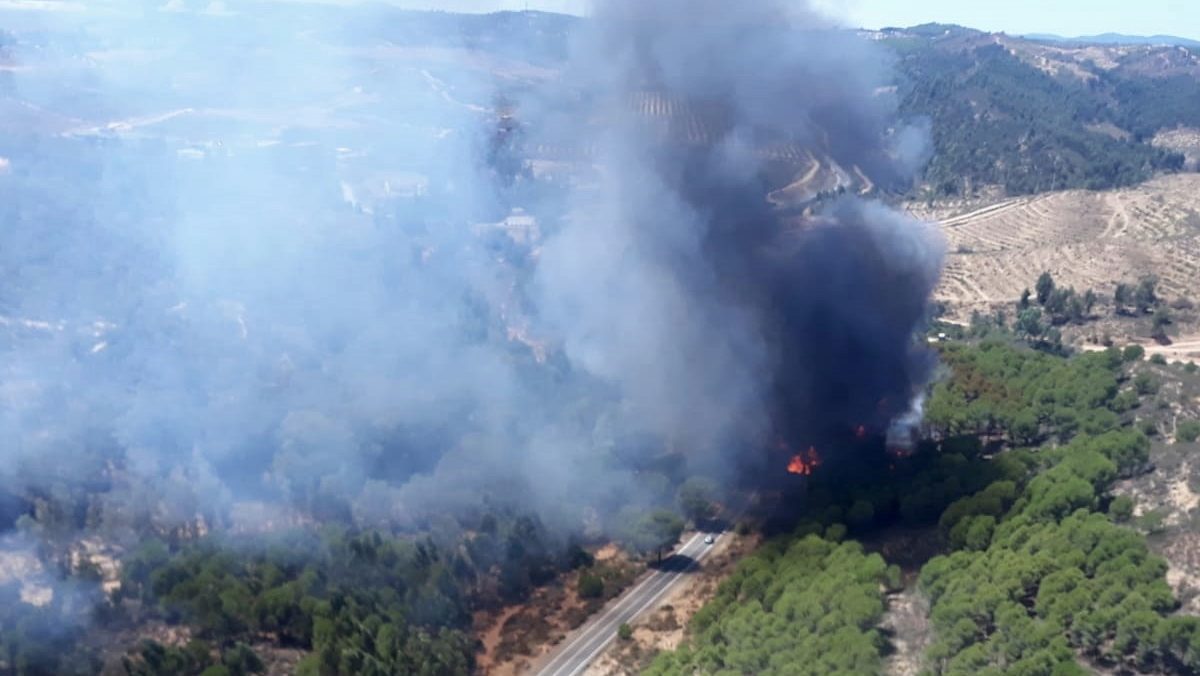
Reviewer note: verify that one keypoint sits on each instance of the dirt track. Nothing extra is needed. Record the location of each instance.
(1185, 349)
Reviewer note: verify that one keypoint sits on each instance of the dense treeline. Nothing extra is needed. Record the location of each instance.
(1033, 583)
(359, 602)
(1027, 396)
(362, 602)
(1041, 571)
(1038, 570)
(998, 120)
(798, 606)
(878, 490)
(1153, 103)
(197, 657)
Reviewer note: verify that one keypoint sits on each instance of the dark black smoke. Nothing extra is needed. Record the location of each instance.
(727, 318)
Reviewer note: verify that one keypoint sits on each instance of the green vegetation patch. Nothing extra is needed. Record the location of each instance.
(1042, 573)
(1037, 574)
(798, 606)
(998, 388)
(362, 603)
(1053, 576)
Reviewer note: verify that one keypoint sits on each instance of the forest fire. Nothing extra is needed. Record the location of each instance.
(804, 464)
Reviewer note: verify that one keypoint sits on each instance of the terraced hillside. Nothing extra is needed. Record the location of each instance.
(1085, 239)
(795, 173)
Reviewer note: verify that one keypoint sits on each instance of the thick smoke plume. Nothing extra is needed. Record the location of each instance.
(725, 316)
(246, 257)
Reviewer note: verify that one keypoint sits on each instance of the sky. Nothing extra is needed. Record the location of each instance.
(1064, 17)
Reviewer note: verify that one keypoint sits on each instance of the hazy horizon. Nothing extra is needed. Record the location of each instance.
(1070, 18)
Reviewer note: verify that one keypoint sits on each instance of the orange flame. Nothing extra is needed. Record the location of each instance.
(804, 464)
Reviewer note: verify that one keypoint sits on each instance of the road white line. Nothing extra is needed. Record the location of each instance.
(607, 625)
(630, 596)
(990, 210)
(671, 579)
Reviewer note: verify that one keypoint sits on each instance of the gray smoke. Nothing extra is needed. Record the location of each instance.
(723, 318)
(250, 256)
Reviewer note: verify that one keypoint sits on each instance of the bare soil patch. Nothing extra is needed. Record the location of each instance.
(1184, 349)
(906, 620)
(907, 624)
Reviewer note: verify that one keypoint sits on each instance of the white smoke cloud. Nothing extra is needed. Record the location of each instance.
(211, 288)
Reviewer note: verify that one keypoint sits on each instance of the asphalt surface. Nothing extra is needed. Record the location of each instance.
(587, 642)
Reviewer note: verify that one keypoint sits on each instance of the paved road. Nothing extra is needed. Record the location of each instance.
(587, 642)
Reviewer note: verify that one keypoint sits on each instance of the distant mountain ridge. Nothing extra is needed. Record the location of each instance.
(1033, 115)
(1117, 39)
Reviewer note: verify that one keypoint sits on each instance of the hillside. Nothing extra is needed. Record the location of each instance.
(1116, 39)
(1031, 116)
(1019, 115)
(1086, 239)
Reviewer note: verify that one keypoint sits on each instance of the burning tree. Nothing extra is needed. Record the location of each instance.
(804, 464)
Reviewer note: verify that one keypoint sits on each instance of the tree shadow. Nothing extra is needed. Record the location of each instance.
(676, 563)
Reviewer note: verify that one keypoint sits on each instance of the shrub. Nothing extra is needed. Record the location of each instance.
(1153, 521)
(591, 586)
(861, 514)
(894, 579)
(1158, 360)
(625, 632)
(1145, 384)
(1134, 353)
(835, 533)
(578, 557)
(1188, 431)
(1125, 401)
(1121, 509)
(1149, 428)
